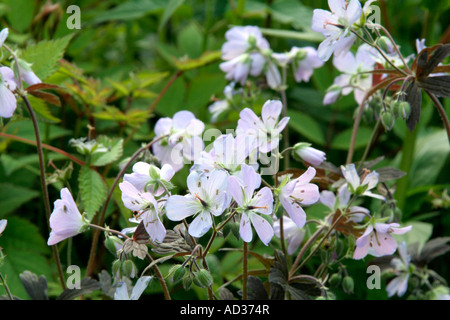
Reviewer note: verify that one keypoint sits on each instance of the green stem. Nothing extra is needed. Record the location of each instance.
(405, 165)
(8, 292)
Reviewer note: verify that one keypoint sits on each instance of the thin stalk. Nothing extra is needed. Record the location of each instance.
(371, 141)
(91, 261)
(44, 146)
(245, 271)
(8, 292)
(47, 206)
(441, 111)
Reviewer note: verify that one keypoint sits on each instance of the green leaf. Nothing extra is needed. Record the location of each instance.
(13, 197)
(115, 151)
(20, 13)
(131, 10)
(420, 233)
(204, 59)
(45, 55)
(170, 9)
(190, 40)
(306, 126)
(431, 153)
(93, 190)
(342, 140)
(292, 12)
(24, 249)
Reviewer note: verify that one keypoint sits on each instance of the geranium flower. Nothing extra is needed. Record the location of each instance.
(266, 129)
(292, 233)
(353, 77)
(8, 102)
(243, 39)
(184, 142)
(239, 68)
(146, 209)
(309, 154)
(140, 286)
(65, 220)
(3, 224)
(149, 178)
(378, 241)
(207, 198)
(304, 60)
(227, 154)
(298, 192)
(360, 186)
(400, 266)
(242, 187)
(340, 202)
(335, 26)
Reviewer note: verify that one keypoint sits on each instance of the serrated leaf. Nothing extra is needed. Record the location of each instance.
(256, 289)
(427, 63)
(93, 190)
(113, 153)
(45, 55)
(388, 173)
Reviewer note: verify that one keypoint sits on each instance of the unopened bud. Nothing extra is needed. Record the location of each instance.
(117, 268)
(203, 278)
(387, 119)
(405, 110)
(113, 243)
(385, 44)
(348, 284)
(335, 280)
(129, 269)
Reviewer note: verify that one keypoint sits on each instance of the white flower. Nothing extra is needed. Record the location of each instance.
(146, 207)
(310, 155)
(356, 186)
(292, 233)
(243, 39)
(65, 220)
(297, 193)
(341, 201)
(335, 26)
(227, 154)
(399, 284)
(353, 77)
(304, 61)
(3, 35)
(27, 74)
(267, 129)
(148, 178)
(239, 68)
(122, 290)
(8, 102)
(3, 224)
(207, 198)
(184, 142)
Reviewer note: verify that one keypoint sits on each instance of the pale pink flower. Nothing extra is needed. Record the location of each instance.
(377, 240)
(335, 26)
(297, 193)
(8, 102)
(65, 220)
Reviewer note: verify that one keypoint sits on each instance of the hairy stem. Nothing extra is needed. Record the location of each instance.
(245, 272)
(47, 206)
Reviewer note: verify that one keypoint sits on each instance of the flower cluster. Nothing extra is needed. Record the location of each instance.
(9, 82)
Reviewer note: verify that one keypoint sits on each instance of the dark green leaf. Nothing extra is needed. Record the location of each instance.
(424, 69)
(439, 86)
(35, 287)
(388, 173)
(414, 97)
(87, 285)
(93, 190)
(256, 289)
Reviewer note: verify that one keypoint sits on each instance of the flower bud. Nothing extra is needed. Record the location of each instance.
(387, 119)
(348, 284)
(405, 110)
(204, 278)
(385, 44)
(117, 268)
(308, 154)
(177, 272)
(187, 282)
(335, 280)
(129, 269)
(113, 243)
